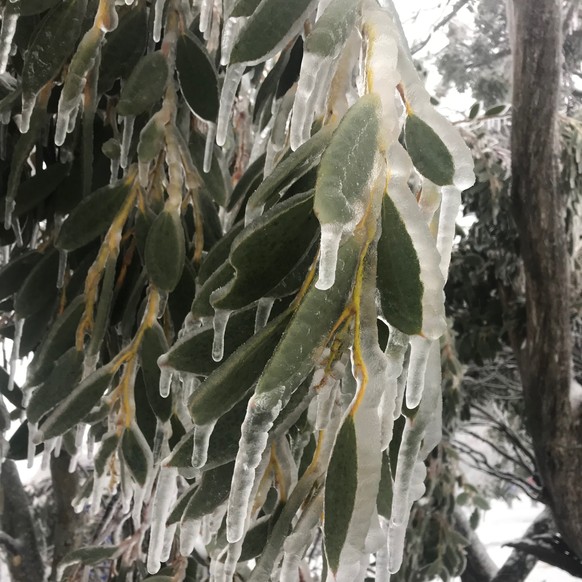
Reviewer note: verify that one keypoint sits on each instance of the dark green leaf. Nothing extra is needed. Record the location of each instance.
(13, 274)
(137, 454)
(106, 448)
(213, 491)
(36, 189)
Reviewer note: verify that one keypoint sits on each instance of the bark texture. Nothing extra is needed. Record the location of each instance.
(539, 208)
(17, 532)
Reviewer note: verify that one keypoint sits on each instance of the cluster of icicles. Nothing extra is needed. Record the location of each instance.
(407, 372)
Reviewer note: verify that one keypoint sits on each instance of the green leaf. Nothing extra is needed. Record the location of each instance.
(14, 273)
(291, 168)
(218, 254)
(165, 250)
(32, 7)
(267, 250)
(215, 183)
(429, 154)
(123, 46)
(347, 164)
(65, 374)
(306, 335)
(60, 338)
(52, 43)
(18, 444)
(28, 300)
(201, 306)
(213, 490)
(268, 28)
(474, 111)
(77, 404)
(33, 191)
(340, 492)
(145, 86)
(193, 353)
(244, 7)
(90, 555)
(137, 454)
(197, 76)
(153, 345)
(231, 381)
(181, 503)
(409, 279)
(93, 215)
(496, 110)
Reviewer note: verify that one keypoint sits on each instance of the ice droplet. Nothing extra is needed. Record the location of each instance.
(219, 324)
(232, 79)
(330, 241)
(202, 434)
(264, 307)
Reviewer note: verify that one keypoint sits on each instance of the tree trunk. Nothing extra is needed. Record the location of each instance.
(17, 533)
(538, 206)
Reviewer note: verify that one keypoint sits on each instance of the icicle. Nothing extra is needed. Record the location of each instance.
(450, 204)
(206, 15)
(264, 307)
(330, 241)
(128, 123)
(159, 12)
(18, 327)
(168, 542)
(100, 484)
(90, 444)
(28, 103)
(165, 381)
(254, 436)
(31, 447)
(114, 170)
(143, 173)
(164, 498)
(62, 269)
(252, 213)
(314, 69)
(383, 563)
(9, 22)
(300, 539)
(17, 232)
(209, 147)
(219, 324)
(229, 34)
(419, 350)
(202, 435)
(189, 531)
(232, 79)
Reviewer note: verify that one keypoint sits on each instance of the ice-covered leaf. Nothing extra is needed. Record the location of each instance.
(340, 492)
(28, 300)
(201, 306)
(333, 28)
(90, 555)
(290, 169)
(244, 7)
(428, 152)
(218, 254)
(197, 76)
(93, 215)
(13, 274)
(230, 382)
(137, 454)
(106, 448)
(213, 491)
(65, 375)
(267, 250)
(165, 250)
(409, 278)
(124, 46)
(78, 403)
(52, 43)
(269, 27)
(145, 86)
(153, 345)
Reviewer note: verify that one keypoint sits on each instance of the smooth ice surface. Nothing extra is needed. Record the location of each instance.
(450, 204)
(28, 103)
(158, 15)
(330, 241)
(264, 306)
(232, 79)
(128, 123)
(419, 349)
(9, 22)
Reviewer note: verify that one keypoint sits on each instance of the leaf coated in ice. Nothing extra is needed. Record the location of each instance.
(429, 154)
(270, 25)
(145, 85)
(137, 454)
(267, 250)
(92, 216)
(197, 76)
(340, 492)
